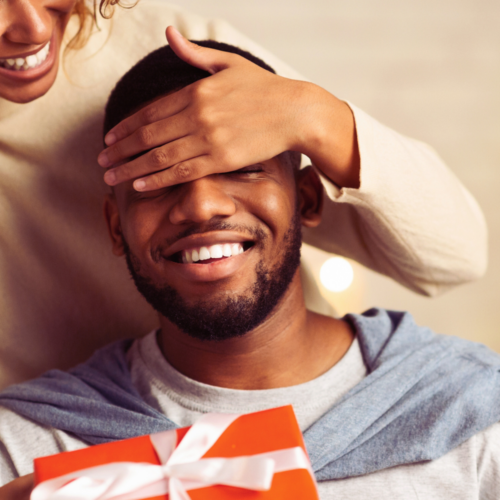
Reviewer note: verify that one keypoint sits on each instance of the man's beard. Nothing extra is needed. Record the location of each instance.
(225, 317)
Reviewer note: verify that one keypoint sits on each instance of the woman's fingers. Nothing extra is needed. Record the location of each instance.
(240, 115)
(145, 138)
(19, 489)
(156, 160)
(153, 112)
(186, 171)
(210, 60)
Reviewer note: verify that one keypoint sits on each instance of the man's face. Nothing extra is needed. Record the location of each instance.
(214, 255)
(246, 222)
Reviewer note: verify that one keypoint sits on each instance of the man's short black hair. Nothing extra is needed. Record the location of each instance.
(160, 73)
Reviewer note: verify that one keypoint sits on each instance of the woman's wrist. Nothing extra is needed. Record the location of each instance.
(327, 135)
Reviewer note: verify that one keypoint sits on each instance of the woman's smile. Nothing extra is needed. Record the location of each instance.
(23, 63)
(31, 35)
(31, 67)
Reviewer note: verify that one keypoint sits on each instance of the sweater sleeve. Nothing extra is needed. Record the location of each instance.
(411, 218)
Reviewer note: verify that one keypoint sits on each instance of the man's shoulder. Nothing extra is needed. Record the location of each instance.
(385, 334)
(30, 411)
(471, 470)
(22, 440)
(425, 395)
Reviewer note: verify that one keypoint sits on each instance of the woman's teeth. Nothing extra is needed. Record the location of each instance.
(212, 252)
(24, 63)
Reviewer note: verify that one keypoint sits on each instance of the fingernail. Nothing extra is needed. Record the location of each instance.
(110, 178)
(103, 160)
(110, 139)
(139, 185)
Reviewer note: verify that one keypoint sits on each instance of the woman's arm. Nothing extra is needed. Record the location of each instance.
(394, 206)
(410, 219)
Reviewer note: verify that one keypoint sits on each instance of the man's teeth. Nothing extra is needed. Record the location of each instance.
(212, 252)
(24, 63)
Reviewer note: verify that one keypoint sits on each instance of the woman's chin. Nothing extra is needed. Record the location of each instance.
(24, 92)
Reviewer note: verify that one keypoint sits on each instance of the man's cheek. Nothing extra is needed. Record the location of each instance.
(272, 207)
(139, 231)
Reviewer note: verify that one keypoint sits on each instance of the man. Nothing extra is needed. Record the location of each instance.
(388, 409)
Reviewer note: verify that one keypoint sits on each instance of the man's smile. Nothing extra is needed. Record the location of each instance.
(207, 247)
(208, 256)
(205, 255)
(211, 269)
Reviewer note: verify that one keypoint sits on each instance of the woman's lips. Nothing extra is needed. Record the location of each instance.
(32, 74)
(26, 61)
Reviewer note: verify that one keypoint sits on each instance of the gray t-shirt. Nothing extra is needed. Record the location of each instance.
(471, 471)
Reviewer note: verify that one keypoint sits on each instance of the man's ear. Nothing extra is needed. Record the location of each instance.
(310, 196)
(114, 225)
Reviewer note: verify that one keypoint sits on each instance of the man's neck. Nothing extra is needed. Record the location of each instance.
(290, 347)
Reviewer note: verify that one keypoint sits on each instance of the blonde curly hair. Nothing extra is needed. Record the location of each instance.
(87, 12)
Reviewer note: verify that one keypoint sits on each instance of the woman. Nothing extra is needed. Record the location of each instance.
(392, 204)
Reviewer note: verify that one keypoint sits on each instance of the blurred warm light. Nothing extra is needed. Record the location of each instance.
(336, 274)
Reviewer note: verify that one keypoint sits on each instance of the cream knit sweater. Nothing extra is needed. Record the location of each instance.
(63, 293)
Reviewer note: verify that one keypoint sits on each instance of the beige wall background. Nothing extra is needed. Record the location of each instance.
(431, 70)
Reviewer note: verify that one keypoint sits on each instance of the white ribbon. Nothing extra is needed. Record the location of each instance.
(181, 469)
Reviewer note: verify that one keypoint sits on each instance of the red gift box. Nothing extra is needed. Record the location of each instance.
(270, 435)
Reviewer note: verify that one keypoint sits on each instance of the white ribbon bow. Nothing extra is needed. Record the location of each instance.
(181, 469)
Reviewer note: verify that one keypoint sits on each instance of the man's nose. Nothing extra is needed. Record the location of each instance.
(26, 22)
(201, 200)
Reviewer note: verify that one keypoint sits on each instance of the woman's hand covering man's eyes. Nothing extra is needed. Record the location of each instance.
(239, 116)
